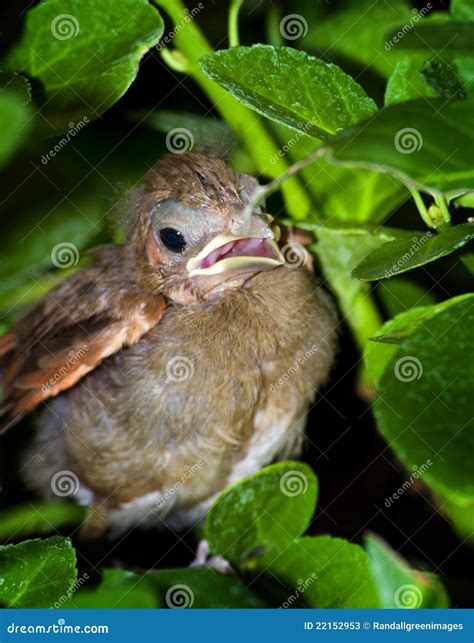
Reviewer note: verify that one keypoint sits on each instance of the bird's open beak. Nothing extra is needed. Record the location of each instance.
(228, 255)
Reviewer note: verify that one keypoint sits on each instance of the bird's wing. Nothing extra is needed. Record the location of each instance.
(81, 322)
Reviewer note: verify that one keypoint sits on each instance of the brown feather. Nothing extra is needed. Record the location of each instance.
(71, 331)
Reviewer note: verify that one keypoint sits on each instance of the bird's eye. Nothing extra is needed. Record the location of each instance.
(172, 239)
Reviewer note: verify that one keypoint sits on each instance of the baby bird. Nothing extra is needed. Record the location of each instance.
(175, 364)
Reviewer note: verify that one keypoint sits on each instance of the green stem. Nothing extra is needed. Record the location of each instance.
(420, 206)
(175, 60)
(264, 191)
(443, 208)
(274, 36)
(246, 124)
(233, 23)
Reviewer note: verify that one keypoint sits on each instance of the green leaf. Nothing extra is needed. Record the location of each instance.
(424, 402)
(400, 586)
(275, 505)
(407, 83)
(25, 520)
(340, 248)
(384, 345)
(433, 78)
(461, 514)
(443, 78)
(15, 122)
(465, 68)
(449, 36)
(466, 200)
(424, 144)
(200, 587)
(462, 9)
(401, 255)
(16, 84)
(399, 295)
(65, 232)
(468, 260)
(119, 589)
(324, 572)
(85, 55)
(290, 87)
(36, 573)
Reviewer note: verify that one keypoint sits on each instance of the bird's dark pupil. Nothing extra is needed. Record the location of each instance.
(173, 239)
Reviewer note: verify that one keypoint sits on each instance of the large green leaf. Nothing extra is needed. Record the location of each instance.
(86, 55)
(426, 144)
(36, 573)
(275, 506)
(290, 87)
(401, 255)
(424, 402)
(400, 586)
(15, 121)
(323, 572)
(384, 344)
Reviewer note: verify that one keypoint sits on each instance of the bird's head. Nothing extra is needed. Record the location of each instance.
(194, 235)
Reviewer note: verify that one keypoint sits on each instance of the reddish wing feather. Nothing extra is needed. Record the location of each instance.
(71, 331)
